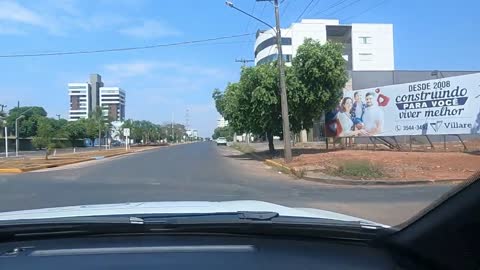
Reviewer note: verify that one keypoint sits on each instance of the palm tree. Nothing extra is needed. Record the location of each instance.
(98, 119)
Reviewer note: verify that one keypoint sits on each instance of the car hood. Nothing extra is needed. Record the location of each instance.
(186, 207)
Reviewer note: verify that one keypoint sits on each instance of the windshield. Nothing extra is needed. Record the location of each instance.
(368, 109)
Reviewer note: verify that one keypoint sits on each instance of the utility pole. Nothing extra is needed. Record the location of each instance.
(187, 124)
(2, 106)
(244, 61)
(283, 90)
(281, 66)
(173, 133)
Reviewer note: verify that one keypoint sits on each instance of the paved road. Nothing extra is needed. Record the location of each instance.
(203, 171)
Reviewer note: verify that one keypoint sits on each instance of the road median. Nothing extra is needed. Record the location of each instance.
(15, 166)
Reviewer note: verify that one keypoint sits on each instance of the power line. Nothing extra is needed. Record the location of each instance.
(252, 12)
(199, 41)
(303, 12)
(261, 14)
(366, 10)
(313, 6)
(342, 8)
(330, 7)
(285, 8)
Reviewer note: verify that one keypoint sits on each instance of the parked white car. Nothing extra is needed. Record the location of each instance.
(221, 141)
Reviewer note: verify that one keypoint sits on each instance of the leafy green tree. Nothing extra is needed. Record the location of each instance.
(217, 96)
(29, 123)
(318, 78)
(97, 124)
(226, 132)
(45, 133)
(91, 129)
(253, 104)
(74, 131)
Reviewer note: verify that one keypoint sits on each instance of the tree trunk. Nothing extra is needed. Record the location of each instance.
(271, 147)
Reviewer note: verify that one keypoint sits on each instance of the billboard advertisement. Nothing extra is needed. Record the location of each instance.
(434, 107)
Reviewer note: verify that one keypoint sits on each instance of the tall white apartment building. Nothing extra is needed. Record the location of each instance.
(112, 101)
(366, 46)
(86, 97)
(80, 100)
(221, 122)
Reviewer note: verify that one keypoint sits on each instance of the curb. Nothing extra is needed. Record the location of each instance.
(361, 182)
(278, 165)
(10, 170)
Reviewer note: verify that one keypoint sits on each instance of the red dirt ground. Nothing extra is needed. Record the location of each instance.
(398, 165)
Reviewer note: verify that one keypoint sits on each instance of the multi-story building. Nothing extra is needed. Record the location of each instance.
(366, 46)
(86, 97)
(80, 100)
(221, 122)
(112, 101)
(95, 84)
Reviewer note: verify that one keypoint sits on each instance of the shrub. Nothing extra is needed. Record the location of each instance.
(359, 168)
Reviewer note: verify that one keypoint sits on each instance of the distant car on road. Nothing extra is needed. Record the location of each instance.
(116, 143)
(221, 141)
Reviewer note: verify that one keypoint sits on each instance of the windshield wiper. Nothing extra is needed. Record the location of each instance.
(245, 221)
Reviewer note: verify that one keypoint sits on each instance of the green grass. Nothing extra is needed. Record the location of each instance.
(359, 169)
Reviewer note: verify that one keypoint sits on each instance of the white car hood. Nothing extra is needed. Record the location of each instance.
(190, 207)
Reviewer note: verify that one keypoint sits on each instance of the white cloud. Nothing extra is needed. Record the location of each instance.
(11, 30)
(150, 29)
(11, 11)
(60, 17)
(132, 69)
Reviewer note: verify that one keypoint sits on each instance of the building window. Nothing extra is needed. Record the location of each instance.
(365, 40)
(77, 87)
(365, 56)
(271, 58)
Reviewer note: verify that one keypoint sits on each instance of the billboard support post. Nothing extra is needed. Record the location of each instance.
(372, 139)
(429, 141)
(410, 142)
(396, 142)
(445, 143)
(464, 146)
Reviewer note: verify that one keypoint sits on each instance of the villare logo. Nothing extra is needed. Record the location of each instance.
(437, 125)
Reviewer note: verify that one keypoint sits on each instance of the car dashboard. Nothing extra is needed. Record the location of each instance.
(196, 252)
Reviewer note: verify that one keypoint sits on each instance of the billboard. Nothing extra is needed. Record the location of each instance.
(434, 107)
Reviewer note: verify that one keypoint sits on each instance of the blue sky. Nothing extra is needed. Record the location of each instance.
(428, 34)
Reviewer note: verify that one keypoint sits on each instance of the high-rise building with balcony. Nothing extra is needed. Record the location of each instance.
(80, 100)
(112, 101)
(366, 46)
(86, 97)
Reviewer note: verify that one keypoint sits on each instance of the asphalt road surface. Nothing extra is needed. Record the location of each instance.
(203, 171)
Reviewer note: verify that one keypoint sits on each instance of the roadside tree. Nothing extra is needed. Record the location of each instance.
(29, 123)
(317, 78)
(74, 131)
(46, 132)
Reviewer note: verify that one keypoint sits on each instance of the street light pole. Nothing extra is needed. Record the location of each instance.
(22, 115)
(16, 134)
(283, 86)
(6, 139)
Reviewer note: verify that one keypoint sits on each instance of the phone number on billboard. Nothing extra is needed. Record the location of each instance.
(412, 127)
